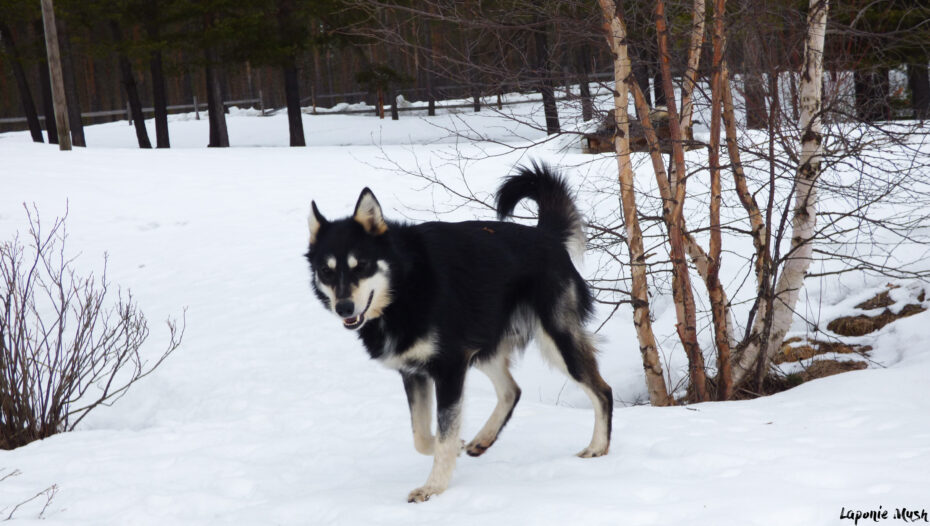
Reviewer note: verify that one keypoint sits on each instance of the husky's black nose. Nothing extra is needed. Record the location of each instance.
(345, 308)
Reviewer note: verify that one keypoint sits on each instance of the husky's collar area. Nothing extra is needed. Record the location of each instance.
(435, 299)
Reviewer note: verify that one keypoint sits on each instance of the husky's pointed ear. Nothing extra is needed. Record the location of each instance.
(315, 222)
(368, 213)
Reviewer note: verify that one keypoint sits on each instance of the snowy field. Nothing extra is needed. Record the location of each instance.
(271, 413)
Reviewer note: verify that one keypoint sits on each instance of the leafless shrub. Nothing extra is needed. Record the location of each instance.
(67, 345)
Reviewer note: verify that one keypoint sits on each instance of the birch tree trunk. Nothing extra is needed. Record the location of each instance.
(700, 258)
(616, 38)
(681, 279)
(718, 303)
(762, 349)
(694, 59)
(759, 232)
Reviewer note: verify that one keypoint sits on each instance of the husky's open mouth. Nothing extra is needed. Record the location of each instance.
(356, 321)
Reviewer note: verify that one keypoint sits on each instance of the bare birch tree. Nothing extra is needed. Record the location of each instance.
(775, 311)
(775, 321)
(616, 38)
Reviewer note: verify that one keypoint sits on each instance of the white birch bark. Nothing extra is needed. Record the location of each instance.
(804, 216)
(616, 38)
(694, 59)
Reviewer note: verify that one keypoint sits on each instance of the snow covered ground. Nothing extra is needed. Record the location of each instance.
(270, 412)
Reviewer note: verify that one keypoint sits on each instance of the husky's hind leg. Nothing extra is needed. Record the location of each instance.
(573, 353)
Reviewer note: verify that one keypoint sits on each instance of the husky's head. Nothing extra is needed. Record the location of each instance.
(349, 262)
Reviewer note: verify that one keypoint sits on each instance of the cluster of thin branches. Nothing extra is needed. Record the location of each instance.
(48, 494)
(68, 343)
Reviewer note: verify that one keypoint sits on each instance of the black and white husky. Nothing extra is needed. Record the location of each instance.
(432, 300)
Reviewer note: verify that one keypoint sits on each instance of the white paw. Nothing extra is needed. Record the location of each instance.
(423, 494)
(588, 452)
(478, 446)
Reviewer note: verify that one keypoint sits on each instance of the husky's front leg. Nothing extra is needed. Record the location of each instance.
(420, 400)
(449, 388)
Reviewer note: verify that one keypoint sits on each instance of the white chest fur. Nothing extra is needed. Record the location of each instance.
(413, 357)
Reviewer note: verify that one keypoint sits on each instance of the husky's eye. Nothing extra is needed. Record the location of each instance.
(363, 266)
(326, 273)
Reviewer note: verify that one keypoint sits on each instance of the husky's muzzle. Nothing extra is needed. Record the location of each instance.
(354, 322)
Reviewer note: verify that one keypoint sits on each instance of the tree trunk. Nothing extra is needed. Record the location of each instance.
(641, 74)
(317, 75)
(159, 99)
(544, 80)
(707, 265)
(616, 38)
(219, 136)
(428, 68)
(770, 329)
(795, 96)
(75, 121)
(51, 128)
(754, 93)
(747, 199)
(187, 87)
(861, 80)
(883, 92)
(873, 94)
(222, 78)
(295, 119)
(753, 86)
(657, 88)
(45, 84)
(56, 80)
(919, 83)
(719, 307)
(681, 279)
(694, 59)
(582, 60)
(212, 117)
(102, 87)
(129, 86)
(22, 85)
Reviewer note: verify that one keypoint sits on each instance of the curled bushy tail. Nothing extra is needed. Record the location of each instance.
(557, 211)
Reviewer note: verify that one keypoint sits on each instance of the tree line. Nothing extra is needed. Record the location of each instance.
(294, 53)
